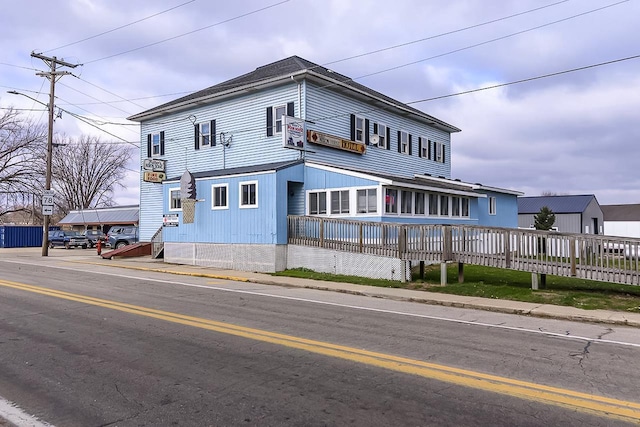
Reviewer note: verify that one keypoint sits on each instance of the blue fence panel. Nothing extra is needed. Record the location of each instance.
(21, 236)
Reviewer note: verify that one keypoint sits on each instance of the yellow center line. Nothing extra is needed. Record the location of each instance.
(599, 405)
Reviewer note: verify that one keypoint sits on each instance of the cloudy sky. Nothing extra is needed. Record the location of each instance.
(573, 133)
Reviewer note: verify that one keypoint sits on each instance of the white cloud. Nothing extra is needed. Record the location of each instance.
(574, 133)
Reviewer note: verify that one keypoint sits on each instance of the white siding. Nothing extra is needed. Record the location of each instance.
(622, 228)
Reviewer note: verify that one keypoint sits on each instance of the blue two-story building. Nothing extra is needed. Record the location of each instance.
(358, 155)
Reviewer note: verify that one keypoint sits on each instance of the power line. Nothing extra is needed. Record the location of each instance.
(482, 43)
(346, 58)
(493, 21)
(108, 91)
(19, 66)
(120, 27)
(187, 33)
(93, 97)
(524, 80)
(348, 79)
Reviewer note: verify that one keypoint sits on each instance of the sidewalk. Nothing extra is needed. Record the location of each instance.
(145, 263)
(504, 306)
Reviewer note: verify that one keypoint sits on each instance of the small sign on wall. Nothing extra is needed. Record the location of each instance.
(170, 220)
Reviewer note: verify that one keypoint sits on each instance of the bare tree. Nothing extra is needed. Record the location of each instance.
(21, 147)
(86, 171)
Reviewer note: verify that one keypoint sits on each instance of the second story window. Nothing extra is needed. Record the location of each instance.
(278, 112)
(440, 152)
(274, 117)
(404, 142)
(205, 134)
(155, 144)
(359, 129)
(492, 206)
(382, 132)
(424, 148)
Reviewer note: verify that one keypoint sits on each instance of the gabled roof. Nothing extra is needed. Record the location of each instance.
(112, 216)
(557, 204)
(279, 72)
(621, 212)
(241, 170)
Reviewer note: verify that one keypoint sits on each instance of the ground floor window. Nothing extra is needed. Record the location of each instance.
(249, 194)
(318, 203)
(340, 202)
(219, 196)
(367, 200)
(175, 204)
(391, 201)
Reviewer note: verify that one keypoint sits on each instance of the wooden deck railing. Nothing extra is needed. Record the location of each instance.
(587, 256)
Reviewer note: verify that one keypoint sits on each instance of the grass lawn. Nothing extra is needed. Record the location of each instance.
(499, 283)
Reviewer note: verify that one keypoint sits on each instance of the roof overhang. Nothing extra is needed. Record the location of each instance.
(390, 182)
(336, 85)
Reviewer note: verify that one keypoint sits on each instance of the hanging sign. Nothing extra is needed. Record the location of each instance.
(154, 176)
(293, 135)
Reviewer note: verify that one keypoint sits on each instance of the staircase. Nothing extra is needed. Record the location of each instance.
(157, 245)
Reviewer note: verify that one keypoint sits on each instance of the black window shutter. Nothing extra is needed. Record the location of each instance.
(353, 127)
(269, 121)
(162, 143)
(429, 148)
(212, 129)
(399, 144)
(419, 147)
(290, 111)
(409, 144)
(196, 132)
(443, 161)
(375, 128)
(388, 138)
(149, 145)
(366, 131)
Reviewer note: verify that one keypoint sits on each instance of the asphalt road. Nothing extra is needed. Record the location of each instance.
(84, 345)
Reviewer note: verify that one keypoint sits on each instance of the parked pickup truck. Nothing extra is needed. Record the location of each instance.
(68, 239)
(121, 236)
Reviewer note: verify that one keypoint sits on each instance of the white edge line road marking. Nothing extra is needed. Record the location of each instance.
(354, 307)
(17, 416)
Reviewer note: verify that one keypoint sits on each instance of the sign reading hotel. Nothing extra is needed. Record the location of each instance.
(154, 176)
(293, 135)
(335, 142)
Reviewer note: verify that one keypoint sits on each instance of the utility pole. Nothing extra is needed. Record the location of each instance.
(53, 76)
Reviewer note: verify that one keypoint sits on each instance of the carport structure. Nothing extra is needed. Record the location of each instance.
(101, 218)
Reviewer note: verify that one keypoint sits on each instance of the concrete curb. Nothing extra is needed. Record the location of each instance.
(423, 297)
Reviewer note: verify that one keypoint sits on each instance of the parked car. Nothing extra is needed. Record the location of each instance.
(68, 239)
(122, 236)
(93, 236)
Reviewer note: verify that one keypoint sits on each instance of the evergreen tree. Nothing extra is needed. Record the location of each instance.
(544, 219)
